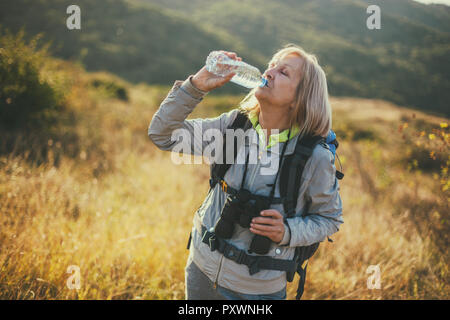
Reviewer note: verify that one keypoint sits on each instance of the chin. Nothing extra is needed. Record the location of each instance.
(259, 93)
(262, 97)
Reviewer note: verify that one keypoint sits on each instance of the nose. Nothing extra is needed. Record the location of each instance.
(269, 74)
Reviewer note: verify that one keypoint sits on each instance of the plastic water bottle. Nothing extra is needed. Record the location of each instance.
(246, 75)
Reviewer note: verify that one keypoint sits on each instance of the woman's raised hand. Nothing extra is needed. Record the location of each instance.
(207, 81)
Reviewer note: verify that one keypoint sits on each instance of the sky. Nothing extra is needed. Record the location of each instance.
(447, 2)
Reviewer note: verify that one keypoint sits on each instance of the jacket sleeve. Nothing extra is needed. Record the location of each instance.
(169, 129)
(324, 205)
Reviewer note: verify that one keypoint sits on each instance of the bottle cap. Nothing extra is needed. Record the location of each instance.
(263, 82)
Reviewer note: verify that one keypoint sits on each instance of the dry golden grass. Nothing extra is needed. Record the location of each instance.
(126, 226)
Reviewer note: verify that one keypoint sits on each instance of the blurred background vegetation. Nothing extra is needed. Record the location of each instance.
(81, 184)
(157, 41)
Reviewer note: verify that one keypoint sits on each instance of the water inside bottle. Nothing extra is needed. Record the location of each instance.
(246, 75)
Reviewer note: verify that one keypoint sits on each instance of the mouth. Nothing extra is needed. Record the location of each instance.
(265, 83)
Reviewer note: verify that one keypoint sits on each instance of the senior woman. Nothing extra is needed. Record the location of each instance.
(293, 104)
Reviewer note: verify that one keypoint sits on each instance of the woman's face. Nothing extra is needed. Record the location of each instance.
(283, 79)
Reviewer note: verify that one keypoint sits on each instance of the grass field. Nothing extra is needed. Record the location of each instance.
(120, 211)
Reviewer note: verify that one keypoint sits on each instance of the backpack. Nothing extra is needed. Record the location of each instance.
(290, 177)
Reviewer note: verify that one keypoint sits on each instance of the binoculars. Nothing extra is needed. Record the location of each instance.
(240, 209)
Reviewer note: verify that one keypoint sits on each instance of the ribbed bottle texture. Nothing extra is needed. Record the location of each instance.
(246, 75)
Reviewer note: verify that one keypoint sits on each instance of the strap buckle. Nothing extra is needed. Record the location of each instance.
(254, 266)
(209, 238)
(224, 186)
(234, 254)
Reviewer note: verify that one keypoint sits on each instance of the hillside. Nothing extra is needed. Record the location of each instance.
(405, 62)
(141, 43)
(159, 41)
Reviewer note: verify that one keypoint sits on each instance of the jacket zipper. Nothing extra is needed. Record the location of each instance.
(218, 272)
(256, 168)
(221, 260)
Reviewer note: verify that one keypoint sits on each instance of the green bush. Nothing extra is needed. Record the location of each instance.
(33, 111)
(27, 99)
(420, 158)
(111, 89)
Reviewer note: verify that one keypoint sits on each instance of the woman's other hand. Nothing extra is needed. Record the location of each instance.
(207, 81)
(269, 224)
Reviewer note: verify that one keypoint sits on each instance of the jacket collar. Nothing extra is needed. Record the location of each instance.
(274, 138)
(290, 148)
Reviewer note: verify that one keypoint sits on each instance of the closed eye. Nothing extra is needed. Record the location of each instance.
(283, 71)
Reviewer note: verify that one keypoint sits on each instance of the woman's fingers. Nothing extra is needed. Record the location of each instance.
(207, 81)
(274, 233)
(266, 233)
(272, 213)
(269, 216)
(231, 54)
(269, 224)
(262, 227)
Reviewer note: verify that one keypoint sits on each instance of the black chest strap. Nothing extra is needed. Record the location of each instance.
(254, 263)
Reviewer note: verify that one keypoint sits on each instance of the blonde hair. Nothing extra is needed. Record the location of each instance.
(312, 110)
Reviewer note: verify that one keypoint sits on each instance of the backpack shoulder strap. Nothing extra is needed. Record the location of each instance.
(291, 173)
(218, 170)
(292, 170)
(333, 144)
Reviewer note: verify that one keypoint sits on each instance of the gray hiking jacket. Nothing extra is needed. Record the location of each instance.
(318, 200)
